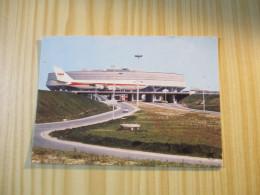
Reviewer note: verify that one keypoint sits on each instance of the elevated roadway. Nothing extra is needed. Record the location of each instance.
(170, 96)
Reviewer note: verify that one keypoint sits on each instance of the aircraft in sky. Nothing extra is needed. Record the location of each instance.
(66, 80)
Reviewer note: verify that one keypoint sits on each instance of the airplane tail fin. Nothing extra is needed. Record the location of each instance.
(62, 76)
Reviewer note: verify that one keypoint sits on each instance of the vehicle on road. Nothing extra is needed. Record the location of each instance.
(125, 110)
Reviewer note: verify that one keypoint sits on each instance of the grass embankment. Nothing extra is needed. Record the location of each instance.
(51, 156)
(163, 130)
(55, 106)
(194, 101)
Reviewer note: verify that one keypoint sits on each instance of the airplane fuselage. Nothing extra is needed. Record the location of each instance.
(106, 84)
(64, 79)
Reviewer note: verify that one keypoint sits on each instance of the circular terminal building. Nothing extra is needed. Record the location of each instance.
(120, 79)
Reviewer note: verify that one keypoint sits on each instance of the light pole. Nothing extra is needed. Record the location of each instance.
(203, 93)
(96, 90)
(113, 97)
(120, 73)
(137, 98)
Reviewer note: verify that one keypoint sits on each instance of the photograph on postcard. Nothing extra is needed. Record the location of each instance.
(128, 101)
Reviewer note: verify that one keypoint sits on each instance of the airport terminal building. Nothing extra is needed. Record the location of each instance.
(155, 81)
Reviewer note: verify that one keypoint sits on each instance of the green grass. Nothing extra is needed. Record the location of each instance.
(194, 101)
(162, 130)
(55, 106)
(51, 156)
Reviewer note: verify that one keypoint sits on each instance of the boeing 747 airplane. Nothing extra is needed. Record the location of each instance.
(66, 80)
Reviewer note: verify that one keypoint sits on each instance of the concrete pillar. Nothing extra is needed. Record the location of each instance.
(170, 98)
(161, 98)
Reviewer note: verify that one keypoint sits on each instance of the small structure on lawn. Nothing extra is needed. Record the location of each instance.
(132, 127)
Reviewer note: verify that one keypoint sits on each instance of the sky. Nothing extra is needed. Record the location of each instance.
(194, 57)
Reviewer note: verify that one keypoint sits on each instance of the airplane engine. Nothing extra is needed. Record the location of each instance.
(99, 86)
(118, 88)
(110, 88)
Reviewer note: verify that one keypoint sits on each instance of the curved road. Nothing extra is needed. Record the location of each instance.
(42, 139)
(45, 128)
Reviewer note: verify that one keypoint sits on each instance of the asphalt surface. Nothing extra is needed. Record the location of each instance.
(45, 128)
(180, 107)
(42, 139)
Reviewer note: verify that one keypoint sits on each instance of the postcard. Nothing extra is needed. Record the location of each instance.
(128, 101)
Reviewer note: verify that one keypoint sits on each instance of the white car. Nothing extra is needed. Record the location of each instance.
(125, 110)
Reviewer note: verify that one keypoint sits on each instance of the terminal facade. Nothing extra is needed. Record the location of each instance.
(159, 86)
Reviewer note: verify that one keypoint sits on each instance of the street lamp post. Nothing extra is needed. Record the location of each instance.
(137, 98)
(113, 97)
(96, 90)
(120, 73)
